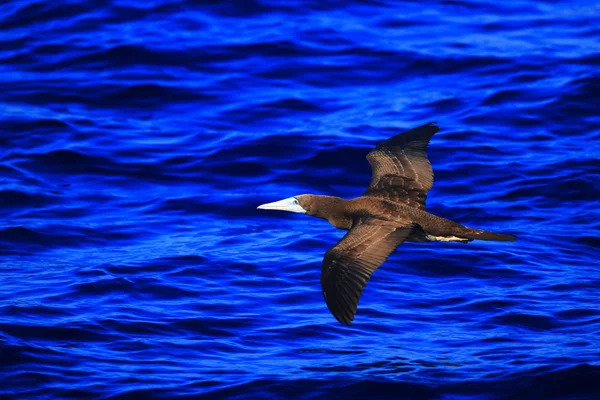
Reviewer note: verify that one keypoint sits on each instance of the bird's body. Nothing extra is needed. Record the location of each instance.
(392, 210)
(343, 213)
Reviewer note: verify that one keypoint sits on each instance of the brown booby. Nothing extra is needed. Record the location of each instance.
(391, 211)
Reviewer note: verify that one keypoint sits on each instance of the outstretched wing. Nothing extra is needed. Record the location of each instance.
(348, 266)
(401, 171)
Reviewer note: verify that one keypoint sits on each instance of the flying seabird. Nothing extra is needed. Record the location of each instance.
(391, 211)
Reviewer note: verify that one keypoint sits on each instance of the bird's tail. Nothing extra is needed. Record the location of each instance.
(479, 234)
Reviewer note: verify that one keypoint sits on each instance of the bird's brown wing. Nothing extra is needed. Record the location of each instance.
(401, 171)
(348, 266)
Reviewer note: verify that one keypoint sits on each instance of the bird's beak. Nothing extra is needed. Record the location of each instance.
(289, 204)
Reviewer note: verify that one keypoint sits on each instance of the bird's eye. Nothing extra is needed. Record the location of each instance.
(295, 202)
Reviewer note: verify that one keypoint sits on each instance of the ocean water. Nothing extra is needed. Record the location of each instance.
(137, 139)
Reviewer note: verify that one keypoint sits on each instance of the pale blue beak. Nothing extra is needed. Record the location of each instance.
(289, 204)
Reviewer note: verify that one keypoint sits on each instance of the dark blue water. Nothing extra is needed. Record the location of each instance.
(137, 139)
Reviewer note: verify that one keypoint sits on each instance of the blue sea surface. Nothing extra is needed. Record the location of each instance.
(137, 139)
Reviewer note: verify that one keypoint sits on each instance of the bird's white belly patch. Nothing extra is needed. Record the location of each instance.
(444, 238)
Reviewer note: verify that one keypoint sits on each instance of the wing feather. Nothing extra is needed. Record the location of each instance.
(401, 171)
(348, 266)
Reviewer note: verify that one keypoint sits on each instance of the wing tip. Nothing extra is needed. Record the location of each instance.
(432, 124)
(413, 135)
(344, 320)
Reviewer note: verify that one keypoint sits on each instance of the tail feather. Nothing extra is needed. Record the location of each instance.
(479, 234)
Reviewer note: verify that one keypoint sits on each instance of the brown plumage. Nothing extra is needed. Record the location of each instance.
(392, 210)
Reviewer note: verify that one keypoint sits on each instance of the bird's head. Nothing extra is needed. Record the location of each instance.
(298, 204)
